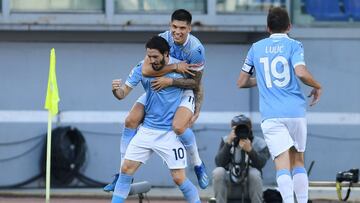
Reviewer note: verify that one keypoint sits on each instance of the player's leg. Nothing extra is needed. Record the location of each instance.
(181, 127)
(172, 151)
(279, 142)
(132, 121)
(123, 183)
(186, 135)
(283, 177)
(300, 177)
(185, 185)
(298, 131)
(139, 151)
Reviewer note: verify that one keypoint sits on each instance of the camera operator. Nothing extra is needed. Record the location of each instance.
(239, 161)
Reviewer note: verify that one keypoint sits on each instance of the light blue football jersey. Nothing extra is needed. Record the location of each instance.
(160, 106)
(274, 60)
(192, 51)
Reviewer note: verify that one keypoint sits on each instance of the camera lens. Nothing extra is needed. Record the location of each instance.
(242, 132)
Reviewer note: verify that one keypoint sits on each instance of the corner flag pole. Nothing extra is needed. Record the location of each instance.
(51, 104)
(48, 159)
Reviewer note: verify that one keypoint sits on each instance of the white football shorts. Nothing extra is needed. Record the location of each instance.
(282, 133)
(187, 100)
(164, 143)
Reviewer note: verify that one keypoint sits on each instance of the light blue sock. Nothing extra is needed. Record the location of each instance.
(190, 192)
(122, 188)
(189, 141)
(127, 135)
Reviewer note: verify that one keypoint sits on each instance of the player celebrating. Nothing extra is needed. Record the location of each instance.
(277, 61)
(187, 48)
(155, 134)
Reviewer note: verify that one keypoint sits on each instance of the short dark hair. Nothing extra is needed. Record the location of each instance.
(158, 43)
(182, 15)
(278, 20)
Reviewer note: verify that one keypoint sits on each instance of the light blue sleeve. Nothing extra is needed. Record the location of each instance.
(197, 56)
(164, 35)
(297, 57)
(248, 66)
(135, 76)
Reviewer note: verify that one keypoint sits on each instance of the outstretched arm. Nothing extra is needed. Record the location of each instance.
(119, 90)
(306, 77)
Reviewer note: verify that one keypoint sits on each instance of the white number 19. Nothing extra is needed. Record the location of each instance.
(282, 78)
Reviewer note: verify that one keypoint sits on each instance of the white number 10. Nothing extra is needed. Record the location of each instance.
(282, 78)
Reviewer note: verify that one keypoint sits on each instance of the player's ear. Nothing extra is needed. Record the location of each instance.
(288, 28)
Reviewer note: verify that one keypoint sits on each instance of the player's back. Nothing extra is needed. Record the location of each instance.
(274, 59)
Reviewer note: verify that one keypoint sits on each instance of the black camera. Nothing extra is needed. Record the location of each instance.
(243, 127)
(351, 175)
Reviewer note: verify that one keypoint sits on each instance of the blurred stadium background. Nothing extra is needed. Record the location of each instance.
(100, 40)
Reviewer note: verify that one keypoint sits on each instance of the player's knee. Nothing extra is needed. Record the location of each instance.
(125, 168)
(132, 121)
(178, 129)
(178, 180)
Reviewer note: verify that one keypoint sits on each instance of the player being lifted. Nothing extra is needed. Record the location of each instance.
(187, 48)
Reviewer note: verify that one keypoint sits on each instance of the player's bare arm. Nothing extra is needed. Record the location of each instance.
(246, 81)
(306, 77)
(162, 82)
(182, 68)
(120, 90)
(184, 83)
(199, 96)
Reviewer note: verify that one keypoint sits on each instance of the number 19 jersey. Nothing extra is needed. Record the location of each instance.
(274, 60)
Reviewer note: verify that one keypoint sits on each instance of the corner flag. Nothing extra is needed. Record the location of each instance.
(52, 95)
(51, 104)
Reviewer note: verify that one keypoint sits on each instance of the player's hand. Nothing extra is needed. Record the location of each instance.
(315, 93)
(116, 84)
(194, 118)
(230, 138)
(184, 68)
(245, 144)
(161, 82)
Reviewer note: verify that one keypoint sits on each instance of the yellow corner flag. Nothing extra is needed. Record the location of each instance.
(51, 104)
(52, 95)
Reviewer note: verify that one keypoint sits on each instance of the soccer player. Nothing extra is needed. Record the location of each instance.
(278, 61)
(187, 48)
(155, 134)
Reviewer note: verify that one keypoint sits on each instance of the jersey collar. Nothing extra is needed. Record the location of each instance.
(187, 40)
(279, 35)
